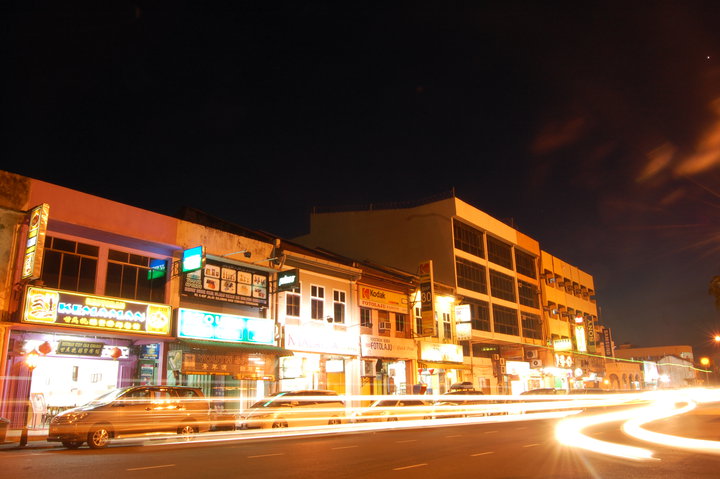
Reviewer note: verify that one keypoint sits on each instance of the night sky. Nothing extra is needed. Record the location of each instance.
(594, 127)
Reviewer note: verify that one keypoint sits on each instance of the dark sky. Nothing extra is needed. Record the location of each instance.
(593, 126)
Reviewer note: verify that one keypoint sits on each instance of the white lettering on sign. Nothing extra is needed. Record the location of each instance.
(289, 279)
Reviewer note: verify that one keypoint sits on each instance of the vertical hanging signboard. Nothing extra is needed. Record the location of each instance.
(35, 242)
(427, 301)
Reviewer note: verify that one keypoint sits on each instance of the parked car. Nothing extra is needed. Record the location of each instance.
(393, 410)
(543, 392)
(294, 409)
(132, 411)
(466, 403)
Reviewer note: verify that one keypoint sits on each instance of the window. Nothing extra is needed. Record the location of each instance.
(506, 321)
(339, 306)
(292, 302)
(366, 317)
(525, 264)
(528, 294)
(479, 315)
(127, 277)
(418, 320)
(447, 326)
(471, 275)
(383, 320)
(502, 286)
(531, 325)
(400, 322)
(69, 265)
(499, 252)
(468, 239)
(317, 302)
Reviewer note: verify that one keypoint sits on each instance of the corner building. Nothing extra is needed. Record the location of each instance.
(490, 270)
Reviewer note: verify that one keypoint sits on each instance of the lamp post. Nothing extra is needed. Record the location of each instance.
(31, 361)
(705, 362)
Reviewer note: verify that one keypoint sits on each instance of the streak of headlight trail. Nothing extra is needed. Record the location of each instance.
(569, 431)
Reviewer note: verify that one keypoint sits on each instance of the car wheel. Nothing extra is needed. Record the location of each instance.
(334, 421)
(71, 444)
(98, 437)
(279, 424)
(391, 418)
(186, 431)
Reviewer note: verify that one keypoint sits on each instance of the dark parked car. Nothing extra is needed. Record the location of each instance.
(132, 411)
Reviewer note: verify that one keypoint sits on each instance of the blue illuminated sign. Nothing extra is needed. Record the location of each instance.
(225, 327)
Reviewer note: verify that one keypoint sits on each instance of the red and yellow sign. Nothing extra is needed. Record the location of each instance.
(76, 310)
(382, 299)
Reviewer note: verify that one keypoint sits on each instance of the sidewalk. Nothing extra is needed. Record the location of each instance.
(36, 439)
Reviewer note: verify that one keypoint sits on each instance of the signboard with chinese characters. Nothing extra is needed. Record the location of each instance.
(79, 348)
(35, 242)
(225, 327)
(230, 283)
(76, 310)
(241, 366)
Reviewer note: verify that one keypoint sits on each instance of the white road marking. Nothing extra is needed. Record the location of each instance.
(409, 467)
(267, 455)
(149, 467)
(407, 440)
(343, 447)
(531, 445)
(483, 453)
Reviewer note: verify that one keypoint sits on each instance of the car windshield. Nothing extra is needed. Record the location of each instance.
(109, 396)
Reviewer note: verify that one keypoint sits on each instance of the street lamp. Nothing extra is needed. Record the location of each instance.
(705, 361)
(31, 361)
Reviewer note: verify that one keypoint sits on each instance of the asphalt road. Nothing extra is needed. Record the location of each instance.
(526, 449)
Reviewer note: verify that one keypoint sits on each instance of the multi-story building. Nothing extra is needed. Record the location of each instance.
(670, 366)
(573, 356)
(489, 269)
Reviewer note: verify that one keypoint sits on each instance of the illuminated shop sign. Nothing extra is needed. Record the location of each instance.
(75, 310)
(382, 299)
(320, 339)
(564, 344)
(35, 241)
(288, 280)
(441, 352)
(563, 361)
(427, 298)
(219, 281)
(225, 327)
(385, 347)
(580, 338)
(80, 348)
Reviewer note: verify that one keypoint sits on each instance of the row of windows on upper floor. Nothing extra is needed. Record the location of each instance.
(476, 242)
(570, 287)
(475, 277)
(72, 266)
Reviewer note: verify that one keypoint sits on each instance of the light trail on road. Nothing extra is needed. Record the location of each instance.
(662, 405)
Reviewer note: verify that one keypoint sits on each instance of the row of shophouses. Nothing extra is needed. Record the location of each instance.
(404, 300)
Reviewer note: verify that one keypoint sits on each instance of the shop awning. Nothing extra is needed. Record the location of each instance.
(437, 365)
(237, 347)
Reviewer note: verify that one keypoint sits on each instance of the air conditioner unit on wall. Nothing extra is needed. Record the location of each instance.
(531, 354)
(536, 363)
(384, 325)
